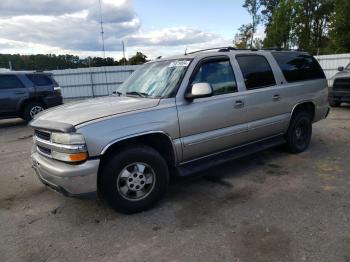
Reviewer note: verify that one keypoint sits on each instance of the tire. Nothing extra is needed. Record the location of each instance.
(125, 182)
(299, 133)
(334, 103)
(31, 109)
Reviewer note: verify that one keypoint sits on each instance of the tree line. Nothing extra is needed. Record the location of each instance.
(53, 62)
(316, 26)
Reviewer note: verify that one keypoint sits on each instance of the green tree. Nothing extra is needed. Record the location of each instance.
(312, 21)
(123, 61)
(253, 7)
(279, 32)
(243, 36)
(340, 27)
(268, 8)
(138, 59)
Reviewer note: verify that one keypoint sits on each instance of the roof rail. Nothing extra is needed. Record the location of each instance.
(221, 49)
(282, 49)
(230, 48)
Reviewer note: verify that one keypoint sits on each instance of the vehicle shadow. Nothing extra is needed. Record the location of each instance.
(12, 122)
(201, 192)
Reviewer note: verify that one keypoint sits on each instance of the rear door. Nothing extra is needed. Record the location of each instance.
(267, 110)
(12, 91)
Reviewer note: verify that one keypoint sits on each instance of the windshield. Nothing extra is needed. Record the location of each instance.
(155, 80)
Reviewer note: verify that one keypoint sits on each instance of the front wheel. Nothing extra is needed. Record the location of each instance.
(299, 133)
(134, 179)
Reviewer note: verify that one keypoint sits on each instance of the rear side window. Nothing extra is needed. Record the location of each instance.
(10, 82)
(219, 75)
(298, 67)
(256, 71)
(40, 80)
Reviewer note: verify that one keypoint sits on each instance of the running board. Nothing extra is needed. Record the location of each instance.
(201, 164)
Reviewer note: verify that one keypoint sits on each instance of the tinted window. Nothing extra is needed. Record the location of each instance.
(256, 71)
(219, 74)
(9, 82)
(40, 80)
(298, 67)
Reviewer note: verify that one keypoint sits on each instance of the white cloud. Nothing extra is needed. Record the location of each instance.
(41, 7)
(170, 37)
(51, 26)
(113, 12)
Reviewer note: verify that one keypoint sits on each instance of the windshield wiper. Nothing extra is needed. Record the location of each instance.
(135, 93)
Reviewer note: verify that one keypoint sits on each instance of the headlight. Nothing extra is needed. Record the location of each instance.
(64, 147)
(67, 139)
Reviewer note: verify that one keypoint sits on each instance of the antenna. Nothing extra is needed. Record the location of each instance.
(102, 31)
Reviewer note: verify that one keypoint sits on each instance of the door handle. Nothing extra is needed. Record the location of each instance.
(239, 104)
(19, 93)
(276, 97)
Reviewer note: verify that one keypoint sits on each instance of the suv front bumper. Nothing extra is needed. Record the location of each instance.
(70, 180)
(339, 96)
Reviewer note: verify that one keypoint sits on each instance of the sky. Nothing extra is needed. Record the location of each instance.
(154, 27)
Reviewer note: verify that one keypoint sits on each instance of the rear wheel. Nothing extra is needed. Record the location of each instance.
(299, 133)
(134, 179)
(32, 109)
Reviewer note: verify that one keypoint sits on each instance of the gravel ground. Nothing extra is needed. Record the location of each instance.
(271, 206)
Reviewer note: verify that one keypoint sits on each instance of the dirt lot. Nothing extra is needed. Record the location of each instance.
(271, 206)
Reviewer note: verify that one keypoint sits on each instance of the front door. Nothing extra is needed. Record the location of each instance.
(213, 124)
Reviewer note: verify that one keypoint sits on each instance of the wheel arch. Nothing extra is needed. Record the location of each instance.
(24, 102)
(308, 106)
(158, 140)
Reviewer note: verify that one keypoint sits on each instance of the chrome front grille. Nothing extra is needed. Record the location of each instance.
(44, 150)
(43, 134)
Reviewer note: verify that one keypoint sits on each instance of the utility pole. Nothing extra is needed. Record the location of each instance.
(103, 47)
(10, 65)
(124, 52)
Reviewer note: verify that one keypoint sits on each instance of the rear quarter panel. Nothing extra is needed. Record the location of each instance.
(315, 91)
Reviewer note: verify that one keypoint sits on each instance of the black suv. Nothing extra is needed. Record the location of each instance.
(25, 94)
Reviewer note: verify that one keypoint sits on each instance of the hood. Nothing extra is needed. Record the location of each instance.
(344, 73)
(80, 112)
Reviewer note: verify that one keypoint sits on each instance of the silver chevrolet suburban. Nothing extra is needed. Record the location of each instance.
(178, 116)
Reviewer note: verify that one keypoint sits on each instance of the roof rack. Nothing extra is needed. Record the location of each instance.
(230, 48)
(221, 49)
(282, 49)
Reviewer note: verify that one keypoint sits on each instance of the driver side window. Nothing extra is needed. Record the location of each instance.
(219, 75)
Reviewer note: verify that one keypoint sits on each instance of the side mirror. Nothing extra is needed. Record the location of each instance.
(341, 68)
(199, 90)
